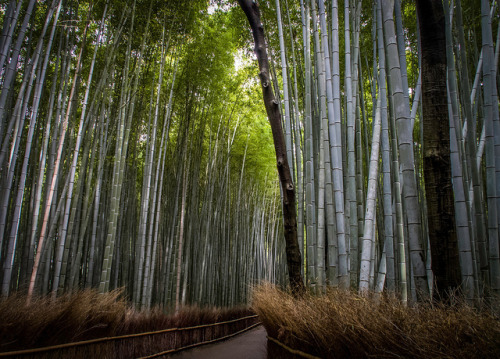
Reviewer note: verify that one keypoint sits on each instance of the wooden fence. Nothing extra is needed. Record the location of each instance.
(277, 350)
(155, 344)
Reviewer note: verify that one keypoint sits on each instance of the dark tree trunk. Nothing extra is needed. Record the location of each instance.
(252, 12)
(436, 148)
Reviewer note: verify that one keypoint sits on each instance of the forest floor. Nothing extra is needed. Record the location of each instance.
(249, 345)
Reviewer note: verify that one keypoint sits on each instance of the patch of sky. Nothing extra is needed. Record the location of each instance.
(219, 5)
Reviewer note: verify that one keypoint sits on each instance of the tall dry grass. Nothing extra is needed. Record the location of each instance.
(89, 315)
(342, 324)
(46, 322)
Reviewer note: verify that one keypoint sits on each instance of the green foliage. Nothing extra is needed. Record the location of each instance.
(260, 162)
(227, 91)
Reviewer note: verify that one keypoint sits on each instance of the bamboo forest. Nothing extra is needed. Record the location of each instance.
(186, 152)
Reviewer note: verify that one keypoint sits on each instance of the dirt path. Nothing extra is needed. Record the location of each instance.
(249, 345)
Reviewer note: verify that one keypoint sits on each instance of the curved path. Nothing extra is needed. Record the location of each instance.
(249, 345)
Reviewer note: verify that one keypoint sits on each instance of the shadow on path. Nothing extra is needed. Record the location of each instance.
(249, 345)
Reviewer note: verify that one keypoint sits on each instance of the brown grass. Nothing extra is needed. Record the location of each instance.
(342, 324)
(69, 318)
(88, 315)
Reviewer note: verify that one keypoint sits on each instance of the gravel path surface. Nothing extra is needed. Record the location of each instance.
(249, 345)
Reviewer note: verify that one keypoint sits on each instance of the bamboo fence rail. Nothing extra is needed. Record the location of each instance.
(295, 352)
(142, 345)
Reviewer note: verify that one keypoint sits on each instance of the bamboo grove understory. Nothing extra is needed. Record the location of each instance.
(135, 151)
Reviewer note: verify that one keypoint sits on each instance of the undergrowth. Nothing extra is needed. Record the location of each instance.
(342, 324)
(88, 315)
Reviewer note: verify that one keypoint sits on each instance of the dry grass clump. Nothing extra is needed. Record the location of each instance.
(342, 324)
(157, 319)
(46, 322)
(89, 315)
